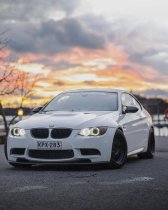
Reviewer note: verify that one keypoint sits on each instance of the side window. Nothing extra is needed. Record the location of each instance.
(137, 104)
(128, 100)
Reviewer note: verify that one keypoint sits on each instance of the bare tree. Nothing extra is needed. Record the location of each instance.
(12, 82)
(26, 86)
(8, 74)
(23, 89)
(8, 78)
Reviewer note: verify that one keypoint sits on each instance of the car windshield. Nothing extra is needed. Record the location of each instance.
(84, 101)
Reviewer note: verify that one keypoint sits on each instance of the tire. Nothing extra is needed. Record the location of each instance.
(119, 151)
(149, 154)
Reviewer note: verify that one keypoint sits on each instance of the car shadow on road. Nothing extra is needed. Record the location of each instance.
(86, 167)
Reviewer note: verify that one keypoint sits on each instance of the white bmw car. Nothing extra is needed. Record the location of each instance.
(83, 126)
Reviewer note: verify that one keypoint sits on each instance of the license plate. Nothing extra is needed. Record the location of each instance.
(49, 145)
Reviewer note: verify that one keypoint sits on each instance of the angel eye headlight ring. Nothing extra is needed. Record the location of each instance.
(93, 131)
(18, 132)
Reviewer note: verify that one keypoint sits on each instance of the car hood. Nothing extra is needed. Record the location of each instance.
(74, 120)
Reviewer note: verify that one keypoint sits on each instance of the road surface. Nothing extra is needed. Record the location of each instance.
(139, 185)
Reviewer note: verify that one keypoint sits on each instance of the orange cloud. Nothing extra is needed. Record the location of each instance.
(110, 67)
(4, 54)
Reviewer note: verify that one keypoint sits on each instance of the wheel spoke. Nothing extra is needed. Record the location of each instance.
(118, 150)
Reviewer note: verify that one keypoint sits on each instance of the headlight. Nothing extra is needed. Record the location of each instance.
(18, 132)
(95, 131)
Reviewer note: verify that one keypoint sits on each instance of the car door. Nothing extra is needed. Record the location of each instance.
(133, 123)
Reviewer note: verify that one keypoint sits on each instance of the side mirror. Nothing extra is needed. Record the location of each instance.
(129, 109)
(37, 109)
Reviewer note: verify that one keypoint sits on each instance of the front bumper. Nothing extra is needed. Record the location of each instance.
(74, 143)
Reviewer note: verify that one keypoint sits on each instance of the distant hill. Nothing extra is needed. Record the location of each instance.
(153, 105)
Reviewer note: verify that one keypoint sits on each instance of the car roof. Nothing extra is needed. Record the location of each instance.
(96, 90)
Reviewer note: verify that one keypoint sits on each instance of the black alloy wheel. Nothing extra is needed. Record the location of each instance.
(119, 150)
(149, 154)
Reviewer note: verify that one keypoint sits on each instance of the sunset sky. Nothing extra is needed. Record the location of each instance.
(87, 43)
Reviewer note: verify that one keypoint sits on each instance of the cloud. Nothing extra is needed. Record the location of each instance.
(155, 93)
(144, 42)
(35, 96)
(89, 82)
(59, 83)
(52, 37)
(55, 65)
(157, 59)
(137, 47)
(34, 10)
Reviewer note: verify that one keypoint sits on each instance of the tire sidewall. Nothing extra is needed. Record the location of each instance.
(112, 163)
(150, 139)
(149, 154)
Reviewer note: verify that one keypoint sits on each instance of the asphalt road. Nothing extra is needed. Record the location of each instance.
(139, 185)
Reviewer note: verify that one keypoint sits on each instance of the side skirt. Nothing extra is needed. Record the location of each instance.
(135, 151)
